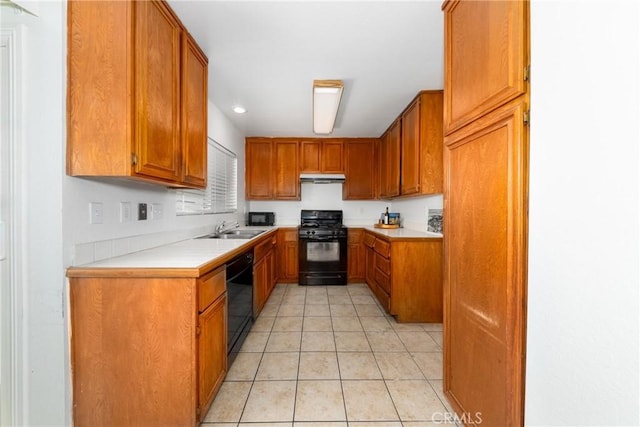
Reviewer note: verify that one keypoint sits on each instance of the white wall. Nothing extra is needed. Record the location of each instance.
(583, 332)
(57, 233)
(44, 375)
(356, 212)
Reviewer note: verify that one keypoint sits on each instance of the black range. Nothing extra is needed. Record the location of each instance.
(322, 242)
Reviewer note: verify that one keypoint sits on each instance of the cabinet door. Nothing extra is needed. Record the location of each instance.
(485, 265)
(431, 142)
(271, 273)
(332, 157)
(384, 166)
(360, 170)
(258, 169)
(212, 353)
(194, 114)
(390, 162)
(356, 258)
(99, 88)
(260, 280)
(310, 156)
(287, 254)
(410, 175)
(287, 175)
(157, 90)
(484, 64)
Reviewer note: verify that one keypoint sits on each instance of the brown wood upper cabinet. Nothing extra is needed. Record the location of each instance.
(492, 56)
(194, 113)
(390, 162)
(321, 156)
(360, 155)
(272, 170)
(411, 149)
(136, 94)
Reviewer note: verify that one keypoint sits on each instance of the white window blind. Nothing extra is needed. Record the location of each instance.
(221, 194)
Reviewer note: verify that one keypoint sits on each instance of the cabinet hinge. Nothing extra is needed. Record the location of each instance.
(198, 330)
(526, 119)
(527, 73)
(134, 159)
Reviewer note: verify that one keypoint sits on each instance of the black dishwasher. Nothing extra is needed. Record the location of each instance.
(240, 302)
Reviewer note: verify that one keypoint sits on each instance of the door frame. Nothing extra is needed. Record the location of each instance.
(11, 409)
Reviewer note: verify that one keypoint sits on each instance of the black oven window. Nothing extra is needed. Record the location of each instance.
(323, 251)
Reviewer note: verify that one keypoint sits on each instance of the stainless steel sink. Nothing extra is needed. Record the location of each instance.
(251, 233)
(234, 234)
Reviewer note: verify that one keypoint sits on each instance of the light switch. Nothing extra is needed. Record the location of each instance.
(125, 211)
(96, 213)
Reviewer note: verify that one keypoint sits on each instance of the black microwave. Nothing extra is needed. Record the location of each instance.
(261, 218)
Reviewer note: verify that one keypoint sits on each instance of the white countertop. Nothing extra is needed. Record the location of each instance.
(402, 233)
(195, 253)
(186, 254)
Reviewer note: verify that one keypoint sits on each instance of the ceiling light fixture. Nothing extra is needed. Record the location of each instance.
(239, 109)
(326, 100)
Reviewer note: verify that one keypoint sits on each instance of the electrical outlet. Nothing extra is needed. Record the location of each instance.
(125, 211)
(96, 212)
(142, 211)
(156, 211)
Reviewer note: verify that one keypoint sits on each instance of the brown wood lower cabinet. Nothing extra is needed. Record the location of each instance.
(287, 255)
(355, 255)
(264, 272)
(405, 275)
(146, 350)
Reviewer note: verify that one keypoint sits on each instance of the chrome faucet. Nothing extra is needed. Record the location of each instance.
(221, 227)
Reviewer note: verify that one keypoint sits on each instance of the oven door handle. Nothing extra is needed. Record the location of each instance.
(322, 239)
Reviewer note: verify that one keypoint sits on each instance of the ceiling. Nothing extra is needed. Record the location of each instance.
(264, 55)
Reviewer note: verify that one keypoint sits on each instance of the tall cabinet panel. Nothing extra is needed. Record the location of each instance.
(485, 204)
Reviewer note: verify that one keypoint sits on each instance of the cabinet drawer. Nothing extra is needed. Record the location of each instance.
(263, 248)
(369, 240)
(382, 247)
(383, 264)
(383, 280)
(210, 287)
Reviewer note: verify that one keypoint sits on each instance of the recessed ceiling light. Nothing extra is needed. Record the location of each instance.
(239, 109)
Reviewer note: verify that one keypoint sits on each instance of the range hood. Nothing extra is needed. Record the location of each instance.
(322, 178)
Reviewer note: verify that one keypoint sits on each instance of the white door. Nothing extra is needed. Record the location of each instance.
(6, 297)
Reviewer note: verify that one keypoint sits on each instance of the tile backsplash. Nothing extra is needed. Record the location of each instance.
(86, 253)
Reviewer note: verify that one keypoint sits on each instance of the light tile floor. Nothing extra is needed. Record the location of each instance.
(325, 356)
